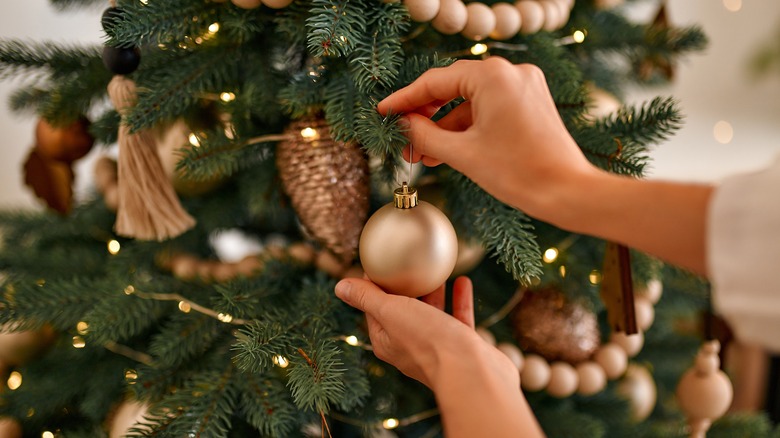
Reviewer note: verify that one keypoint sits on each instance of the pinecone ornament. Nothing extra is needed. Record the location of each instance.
(328, 183)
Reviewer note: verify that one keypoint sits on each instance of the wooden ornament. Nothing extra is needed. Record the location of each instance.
(10, 428)
(223, 272)
(617, 289)
(302, 252)
(277, 4)
(185, 267)
(51, 181)
(592, 378)
(563, 380)
(531, 16)
(249, 266)
(638, 387)
(422, 10)
(536, 373)
(326, 261)
(613, 359)
(247, 4)
(513, 353)
(63, 143)
(507, 21)
(452, 17)
(481, 21)
(631, 344)
(644, 312)
(704, 391)
(552, 16)
(652, 291)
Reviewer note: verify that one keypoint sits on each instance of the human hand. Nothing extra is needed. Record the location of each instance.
(418, 338)
(507, 136)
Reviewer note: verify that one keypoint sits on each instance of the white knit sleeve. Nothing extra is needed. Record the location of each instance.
(743, 239)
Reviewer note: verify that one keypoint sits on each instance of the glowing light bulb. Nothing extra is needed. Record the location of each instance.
(113, 247)
(214, 27)
(184, 307)
(47, 434)
(479, 49)
(562, 271)
(550, 255)
(578, 36)
(309, 134)
(227, 96)
(193, 139)
(723, 132)
(129, 290)
(281, 361)
(224, 317)
(82, 328)
(594, 277)
(14, 381)
(390, 423)
(79, 342)
(352, 340)
(131, 376)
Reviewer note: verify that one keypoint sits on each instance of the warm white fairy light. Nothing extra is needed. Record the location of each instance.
(550, 255)
(309, 134)
(184, 307)
(79, 342)
(594, 277)
(131, 376)
(193, 139)
(47, 434)
(225, 317)
(227, 96)
(129, 290)
(14, 381)
(281, 361)
(113, 247)
(479, 49)
(562, 271)
(214, 27)
(352, 340)
(82, 327)
(578, 36)
(390, 423)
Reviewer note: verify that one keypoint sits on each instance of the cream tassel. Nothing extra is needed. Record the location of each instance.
(148, 206)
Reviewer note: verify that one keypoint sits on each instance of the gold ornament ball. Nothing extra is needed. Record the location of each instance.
(592, 377)
(547, 323)
(408, 251)
(19, 347)
(638, 387)
(10, 428)
(536, 373)
(470, 254)
(563, 380)
(126, 416)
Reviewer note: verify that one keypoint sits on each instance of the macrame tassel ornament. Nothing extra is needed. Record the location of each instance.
(148, 206)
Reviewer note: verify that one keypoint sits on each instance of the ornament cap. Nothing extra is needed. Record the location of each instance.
(405, 197)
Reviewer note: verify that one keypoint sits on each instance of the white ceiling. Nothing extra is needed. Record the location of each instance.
(712, 86)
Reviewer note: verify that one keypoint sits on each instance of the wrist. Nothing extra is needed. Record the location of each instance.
(568, 197)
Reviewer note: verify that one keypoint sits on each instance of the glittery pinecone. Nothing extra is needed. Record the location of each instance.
(547, 323)
(328, 183)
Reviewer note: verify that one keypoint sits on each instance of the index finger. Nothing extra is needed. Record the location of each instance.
(435, 87)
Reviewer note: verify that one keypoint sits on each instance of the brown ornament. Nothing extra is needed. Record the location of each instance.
(328, 183)
(545, 322)
(63, 143)
(10, 428)
(704, 391)
(50, 180)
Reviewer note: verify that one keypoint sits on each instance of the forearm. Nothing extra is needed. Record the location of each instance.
(478, 399)
(665, 219)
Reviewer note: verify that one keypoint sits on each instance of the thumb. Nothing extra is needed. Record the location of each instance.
(428, 139)
(361, 294)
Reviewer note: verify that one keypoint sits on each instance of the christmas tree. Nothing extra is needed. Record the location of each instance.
(133, 314)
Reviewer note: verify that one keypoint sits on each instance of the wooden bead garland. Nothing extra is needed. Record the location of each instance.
(476, 21)
(562, 379)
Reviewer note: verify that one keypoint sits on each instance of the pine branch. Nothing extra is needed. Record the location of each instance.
(267, 405)
(316, 377)
(259, 343)
(334, 26)
(378, 56)
(58, 61)
(184, 337)
(651, 123)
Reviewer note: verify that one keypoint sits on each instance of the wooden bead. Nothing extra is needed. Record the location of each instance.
(63, 143)
(481, 21)
(355, 271)
(645, 313)
(422, 10)
(105, 173)
(184, 267)
(513, 353)
(704, 396)
(592, 377)
(249, 266)
(247, 4)
(638, 387)
(631, 344)
(552, 16)
(452, 17)
(206, 270)
(531, 16)
(612, 359)
(536, 373)
(563, 380)
(507, 21)
(302, 253)
(329, 263)
(111, 197)
(277, 4)
(275, 250)
(652, 291)
(486, 335)
(224, 272)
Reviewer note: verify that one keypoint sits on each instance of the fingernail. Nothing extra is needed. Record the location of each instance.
(343, 288)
